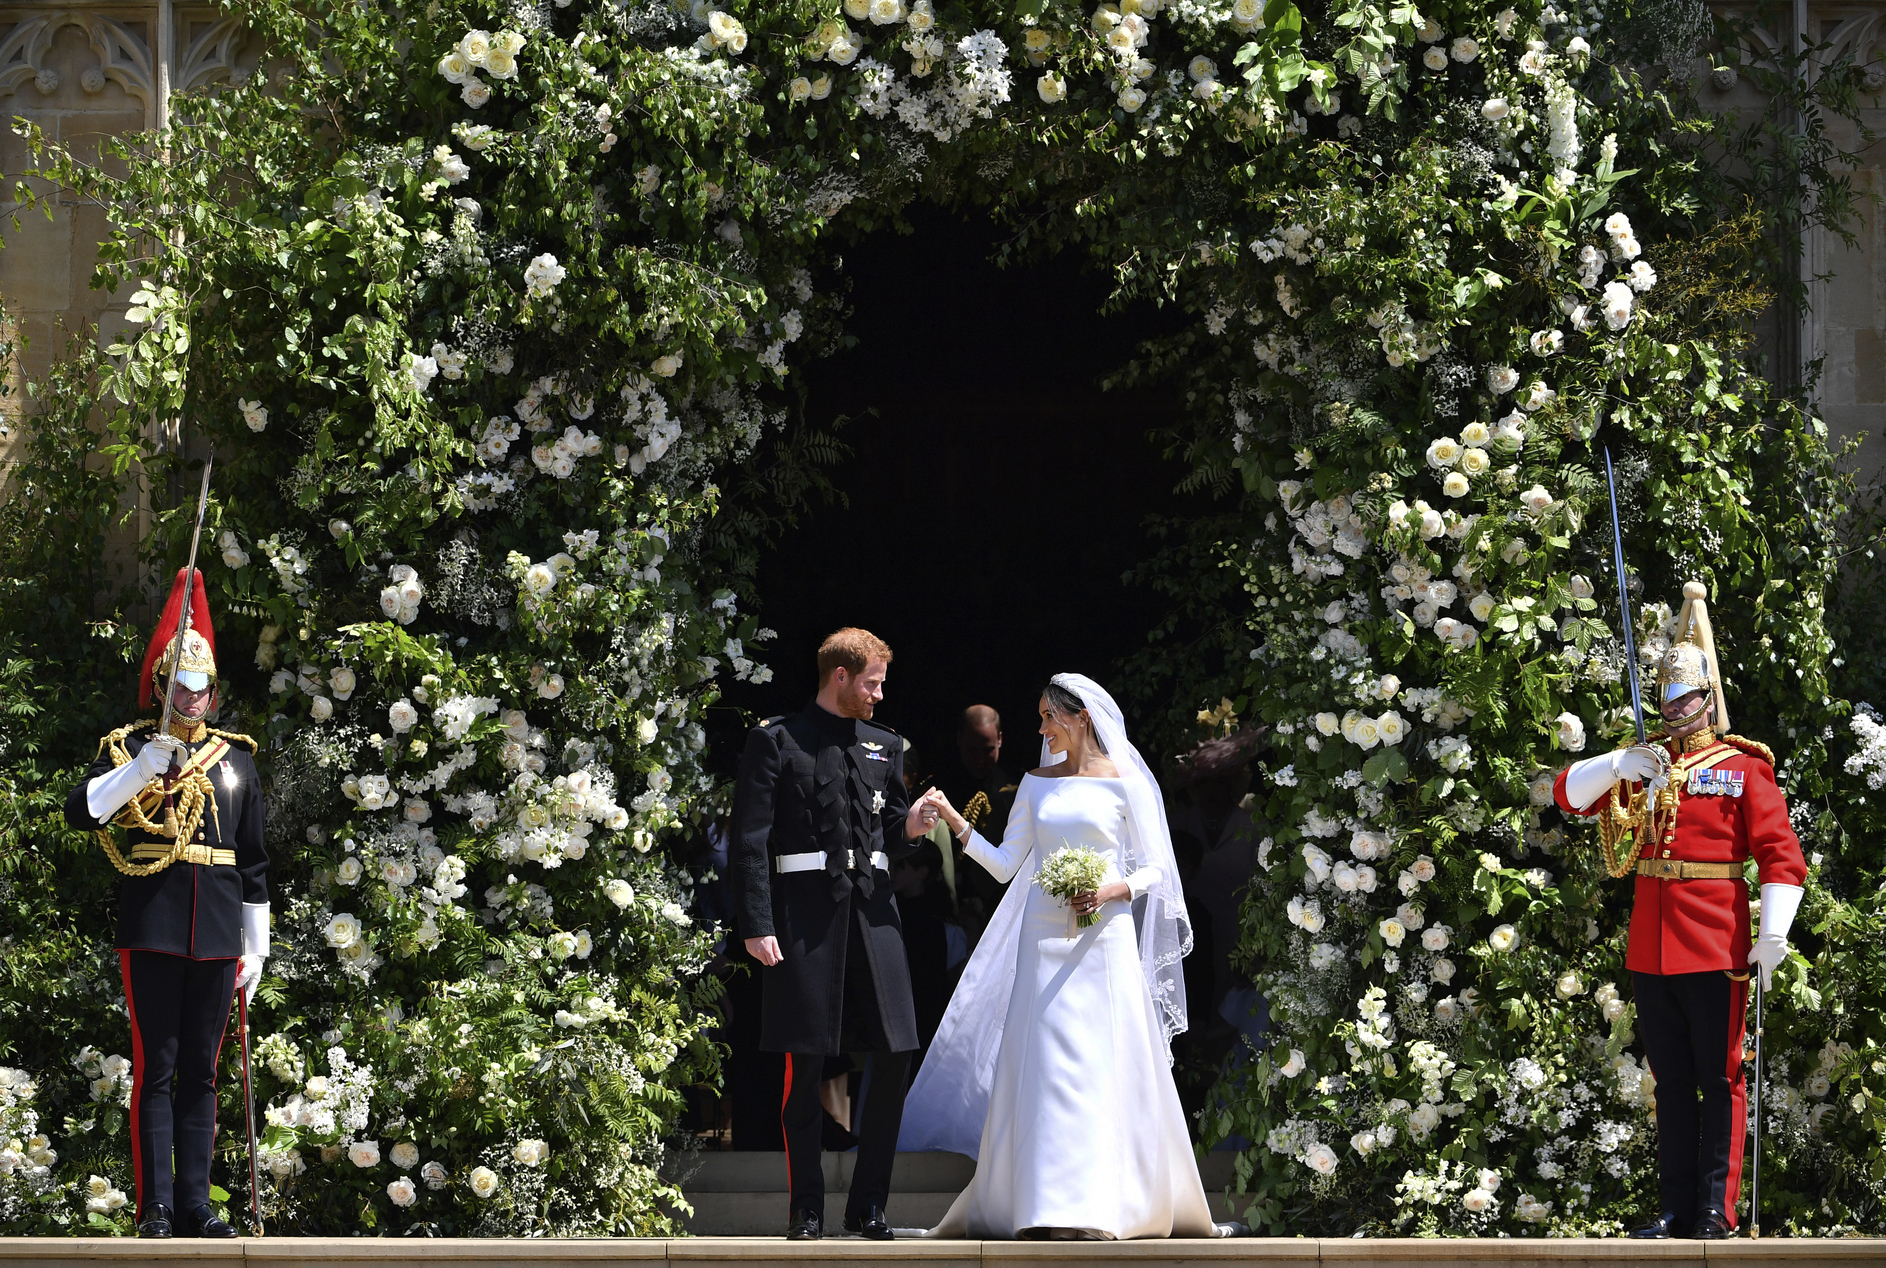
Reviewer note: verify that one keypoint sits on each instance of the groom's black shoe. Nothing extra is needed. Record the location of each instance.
(1664, 1226)
(872, 1224)
(1712, 1225)
(806, 1226)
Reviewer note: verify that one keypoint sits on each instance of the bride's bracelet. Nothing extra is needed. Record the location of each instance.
(963, 836)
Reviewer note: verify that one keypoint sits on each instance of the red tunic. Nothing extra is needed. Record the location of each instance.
(1699, 926)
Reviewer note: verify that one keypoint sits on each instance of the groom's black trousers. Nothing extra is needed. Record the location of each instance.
(802, 1117)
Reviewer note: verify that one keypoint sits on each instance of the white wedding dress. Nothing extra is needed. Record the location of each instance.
(1084, 1130)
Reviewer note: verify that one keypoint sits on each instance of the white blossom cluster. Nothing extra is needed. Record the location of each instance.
(496, 55)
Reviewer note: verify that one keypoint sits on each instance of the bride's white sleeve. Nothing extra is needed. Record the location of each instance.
(1004, 860)
(1142, 880)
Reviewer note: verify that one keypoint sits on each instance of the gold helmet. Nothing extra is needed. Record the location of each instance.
(197, 667)
(1691, 663)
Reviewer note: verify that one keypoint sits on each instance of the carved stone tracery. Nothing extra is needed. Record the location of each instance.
(124, 54)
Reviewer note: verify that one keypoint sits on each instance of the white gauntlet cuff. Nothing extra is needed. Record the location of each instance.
(255, 929)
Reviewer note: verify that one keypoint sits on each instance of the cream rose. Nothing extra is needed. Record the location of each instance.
(364, 1153)
(484, 1181)
(1504, 938)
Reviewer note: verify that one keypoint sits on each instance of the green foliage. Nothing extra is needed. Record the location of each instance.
(496, 347)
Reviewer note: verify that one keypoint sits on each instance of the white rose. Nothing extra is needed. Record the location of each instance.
(1321, 1159)
(619, 892)
(1569, 986)
(1131, 98)
(364, 1153)
(1435, 938)
(402, 1191)
(341, 682)
(1392, 931)
(551, 687)
(349, 871)
(1422, 869)
(417, 810)
(531, 1153)
(667, 365)
(475, 93)
(1571, 732)
(1481, 605)
(321, 708)
(433, 1173)
(1474, 461)
(1443, 453)
(1294, 1065)
(484, 1181)
(342, 931)
(401, 716)
(1391, 727)
(1366, 733)
(1443, 971)
(1424, 1119)
(1435, 59)
(1363, 1142)
(1465, 48)
(1328, 723)
(1051, 88)
(405, 1155)
(1456, 485)
(1504, 938)
(455, 68)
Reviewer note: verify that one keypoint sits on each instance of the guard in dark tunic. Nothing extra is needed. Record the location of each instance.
(193, 910)
(820, 815)
(1687, 812)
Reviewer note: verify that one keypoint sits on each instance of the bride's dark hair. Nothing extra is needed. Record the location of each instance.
(1069, 706)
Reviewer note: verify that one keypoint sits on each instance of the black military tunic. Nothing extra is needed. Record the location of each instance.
(816, 782)
(191, 909)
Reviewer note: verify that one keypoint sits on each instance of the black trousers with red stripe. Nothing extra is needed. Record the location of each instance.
(179, 1009)
(1692, 1029)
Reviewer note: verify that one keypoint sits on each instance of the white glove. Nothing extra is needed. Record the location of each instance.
(1592, 778)
(155, 757)
(107, 794)
(1779, 903)
(248, 973)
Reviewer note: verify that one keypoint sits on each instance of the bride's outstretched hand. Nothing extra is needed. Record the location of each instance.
(940, 807)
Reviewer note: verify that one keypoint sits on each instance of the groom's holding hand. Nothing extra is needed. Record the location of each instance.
(820, 814)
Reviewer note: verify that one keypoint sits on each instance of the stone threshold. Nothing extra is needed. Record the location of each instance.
(853, 1252)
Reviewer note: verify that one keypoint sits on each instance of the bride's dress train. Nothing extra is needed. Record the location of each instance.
(1084, 1129)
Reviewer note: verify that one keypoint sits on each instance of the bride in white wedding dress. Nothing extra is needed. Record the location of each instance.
(1051, 1067)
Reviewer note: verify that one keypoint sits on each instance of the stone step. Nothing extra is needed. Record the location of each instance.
(744, 1194)
(713, 1252)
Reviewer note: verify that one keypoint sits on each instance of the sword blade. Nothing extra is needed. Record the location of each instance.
(248, 1114)
(1624, 600)
(189, 584)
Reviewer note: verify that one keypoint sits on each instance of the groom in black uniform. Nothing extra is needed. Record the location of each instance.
(820, 815)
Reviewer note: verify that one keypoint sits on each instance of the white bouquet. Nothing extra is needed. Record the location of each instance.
(1070, 871)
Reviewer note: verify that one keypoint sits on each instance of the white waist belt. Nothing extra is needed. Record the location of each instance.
(814, 861)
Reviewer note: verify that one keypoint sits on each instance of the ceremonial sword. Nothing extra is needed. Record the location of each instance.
(189, 584)
(1624, 600)
(248, 1113)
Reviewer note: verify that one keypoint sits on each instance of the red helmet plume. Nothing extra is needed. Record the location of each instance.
(166, 633)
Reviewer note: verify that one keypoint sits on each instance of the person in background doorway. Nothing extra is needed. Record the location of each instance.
(1217, 815)
(985, 791)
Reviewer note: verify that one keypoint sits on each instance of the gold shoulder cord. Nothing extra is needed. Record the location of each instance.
(1633, 813)
(977, 810)
(180, 824)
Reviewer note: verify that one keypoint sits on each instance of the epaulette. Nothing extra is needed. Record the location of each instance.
(238, 736)
(1753, 747)
(116, 738)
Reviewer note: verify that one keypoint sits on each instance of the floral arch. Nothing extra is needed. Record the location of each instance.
(487, 309)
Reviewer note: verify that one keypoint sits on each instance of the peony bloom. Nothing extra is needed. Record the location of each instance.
(364, 1153)
(484, 1181)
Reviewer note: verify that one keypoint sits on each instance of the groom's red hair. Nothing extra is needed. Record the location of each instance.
(850, 649)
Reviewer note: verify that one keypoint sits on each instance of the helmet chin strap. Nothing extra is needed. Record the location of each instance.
(1702, 707)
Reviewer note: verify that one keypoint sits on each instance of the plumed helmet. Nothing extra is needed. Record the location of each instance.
(196, 669)
(1691, 664)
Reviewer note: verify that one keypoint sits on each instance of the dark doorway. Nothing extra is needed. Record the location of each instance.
(996, 497)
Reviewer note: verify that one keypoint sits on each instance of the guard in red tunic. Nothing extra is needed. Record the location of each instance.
(193, 909)
(1694, 806)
